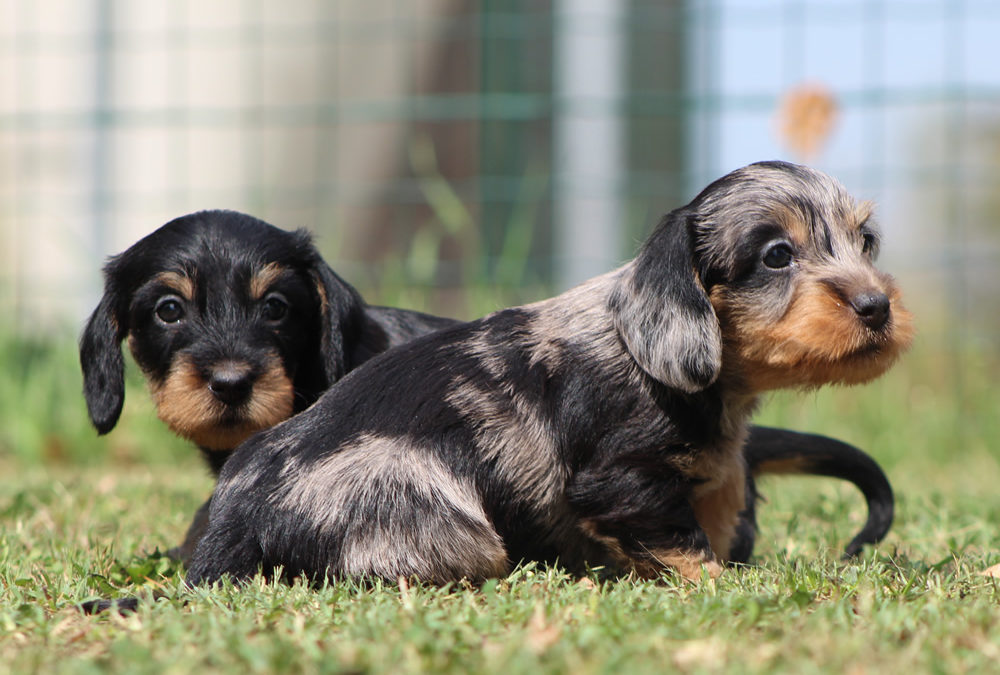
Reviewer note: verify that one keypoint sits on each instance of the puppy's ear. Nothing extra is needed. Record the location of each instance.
(662, 313)
(103, 365)
(341, 320)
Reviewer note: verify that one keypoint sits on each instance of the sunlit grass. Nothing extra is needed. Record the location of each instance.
(918, 602)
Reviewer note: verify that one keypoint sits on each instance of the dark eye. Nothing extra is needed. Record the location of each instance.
(778, 256)
(870, 243)
(169, 309)
(275, 307)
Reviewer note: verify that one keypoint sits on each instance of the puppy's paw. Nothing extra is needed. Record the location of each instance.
(688, 564)
(713, 568)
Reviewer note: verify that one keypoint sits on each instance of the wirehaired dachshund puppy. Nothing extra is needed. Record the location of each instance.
(236, 325)
(605, 426)
(209, 299)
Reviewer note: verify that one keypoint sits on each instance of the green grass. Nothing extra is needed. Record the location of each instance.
(82, 517)
(43, 417)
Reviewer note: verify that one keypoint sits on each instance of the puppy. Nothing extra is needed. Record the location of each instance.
(604, 426)
(328, 330)
(236, 325)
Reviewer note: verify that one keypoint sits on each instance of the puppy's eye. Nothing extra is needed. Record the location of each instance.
(275, 307)
(869, 243)
(778, 256)
(169, 309)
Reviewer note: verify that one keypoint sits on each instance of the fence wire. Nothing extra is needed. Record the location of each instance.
(445, 152)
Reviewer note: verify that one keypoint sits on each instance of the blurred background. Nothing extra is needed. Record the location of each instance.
(457, 157)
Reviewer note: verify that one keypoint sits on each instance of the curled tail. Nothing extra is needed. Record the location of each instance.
(778, 451)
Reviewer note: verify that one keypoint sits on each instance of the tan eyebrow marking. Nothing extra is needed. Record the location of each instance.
(264, 278)
(793, 225)
(863, 213)
(183, 284)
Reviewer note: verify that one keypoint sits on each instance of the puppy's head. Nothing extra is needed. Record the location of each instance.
(235, 324)
(767, 277)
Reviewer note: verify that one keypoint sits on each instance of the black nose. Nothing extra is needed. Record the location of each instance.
(871, 308)
(231, 383)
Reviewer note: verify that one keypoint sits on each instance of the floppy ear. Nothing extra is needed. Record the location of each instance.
(103, 365)
(662, 313)
(341, 320)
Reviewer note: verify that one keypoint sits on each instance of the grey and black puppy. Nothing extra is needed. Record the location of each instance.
(604, 426)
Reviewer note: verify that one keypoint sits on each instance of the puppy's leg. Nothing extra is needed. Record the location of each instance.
(224, 551)
(387, 508)
(401, 536)
(718, 503)
(382, 507)
(745, 536)
(431, 540)
(643, 515)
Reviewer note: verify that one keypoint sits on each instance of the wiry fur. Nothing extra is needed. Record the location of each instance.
(605, 425)
(222, 268)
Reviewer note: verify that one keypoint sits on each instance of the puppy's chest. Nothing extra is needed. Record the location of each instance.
(721, 460)
(701, 438)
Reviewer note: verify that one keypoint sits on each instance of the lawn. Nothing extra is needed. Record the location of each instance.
(82, 517)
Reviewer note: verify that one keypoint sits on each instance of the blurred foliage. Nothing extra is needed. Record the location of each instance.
(43, 416)
(447, 266)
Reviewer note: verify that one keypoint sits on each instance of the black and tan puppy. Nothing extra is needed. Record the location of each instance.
(603, 426)
(236, 325)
